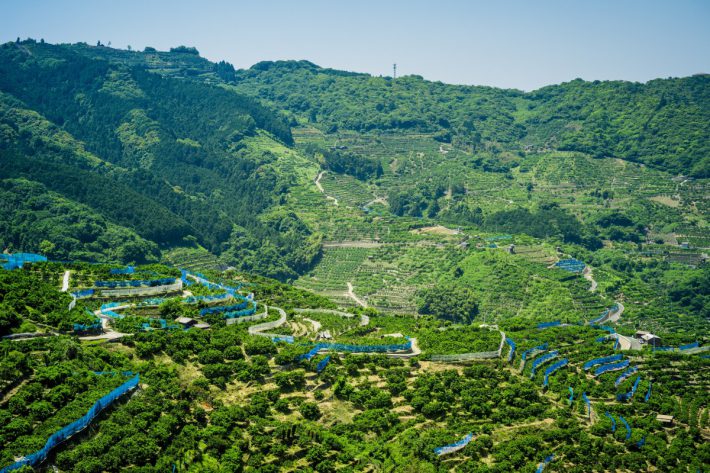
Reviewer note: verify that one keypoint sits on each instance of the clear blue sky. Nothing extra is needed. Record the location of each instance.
(504, 43)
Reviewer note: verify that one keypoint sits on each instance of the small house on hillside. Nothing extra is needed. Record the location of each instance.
(648, 338)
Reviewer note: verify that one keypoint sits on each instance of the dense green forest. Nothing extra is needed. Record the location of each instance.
(174, 151)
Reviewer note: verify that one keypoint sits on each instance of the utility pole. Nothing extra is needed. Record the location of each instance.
(394, 70)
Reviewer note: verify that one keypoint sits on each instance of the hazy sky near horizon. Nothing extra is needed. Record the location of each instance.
(503, 43)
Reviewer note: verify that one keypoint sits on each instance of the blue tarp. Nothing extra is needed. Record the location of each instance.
(554, 368)
(628, 427)
(613, 421)
(630, 394)
(525, 354)
(543, 359)
(17, 260)
(625, 375)
(55, 439)
(542, 465)
(510, 342)
(454, 446)
(611, 367)
(598, 361)
(571, 265)
(322, 364)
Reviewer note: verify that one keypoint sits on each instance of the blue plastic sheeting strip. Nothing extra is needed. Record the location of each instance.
(126, 270)
(625, 375)
(542, 465)
(613, 422)
(603, 327)
(628, 427)
(689, 346)
(356, 348)
(599, 361)
(663, 348)
(525, 354)
(454, 446)
(586, 401)
(55, 439)
(616, 343)
(543, 359)
(543, 325)
(322, 364)
(225, 308)
(648, 393)
(571, 395)
(554, 368)
(611, 367)
(149, 283)
(606, 312)
(17, 260)
(641, 443)
(571, 265)
(512, 348)
(499, 237)
(83, 293)
(630, 394)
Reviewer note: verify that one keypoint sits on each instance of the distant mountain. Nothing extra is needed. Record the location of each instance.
(664, 123)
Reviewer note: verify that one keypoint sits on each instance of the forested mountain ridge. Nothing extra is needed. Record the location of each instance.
(663, 123)
(175, 151)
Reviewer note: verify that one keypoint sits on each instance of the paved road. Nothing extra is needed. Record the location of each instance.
(352, 296)
(587, 273)
(65, 282)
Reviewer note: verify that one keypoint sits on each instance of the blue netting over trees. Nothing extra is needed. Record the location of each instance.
(164, 325)
(510, 342)
(536, 349)
(604, 314)
(689, 346)
(211, 285)
(499, 237)
(454, 446)
(630, 394)
(83, 293)
(126, 270)
(571, 265)
(93, 327)
(356, 348)
(598, 361)
(604, 327)
(628, 427)
(55, 439)
(553, 368)
(207, 299)
(149, 283)
(625, 375)
(283, 338)
(545, 462)
(322, 364)
(17, 260)
(611, 367)
(648, 393)
(224, 308)
(556, 323)
(589, 406)
(543, 359)
(663, 348)
(613, 421)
